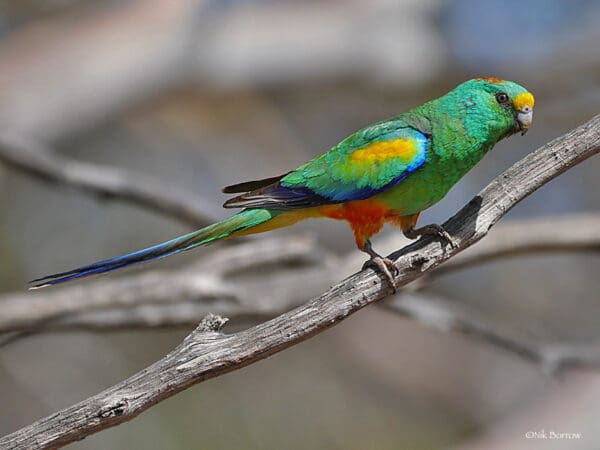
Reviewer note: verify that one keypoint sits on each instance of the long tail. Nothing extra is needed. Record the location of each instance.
(240, 223)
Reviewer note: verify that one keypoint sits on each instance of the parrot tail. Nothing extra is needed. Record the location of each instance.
(241, 223)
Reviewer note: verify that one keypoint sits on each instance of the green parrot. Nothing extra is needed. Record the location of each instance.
(384, 173)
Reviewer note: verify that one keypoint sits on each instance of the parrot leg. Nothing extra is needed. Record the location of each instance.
(385, 265)
(433, 229)
(408, 226)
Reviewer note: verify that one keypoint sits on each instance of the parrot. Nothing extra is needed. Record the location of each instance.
(385, 173)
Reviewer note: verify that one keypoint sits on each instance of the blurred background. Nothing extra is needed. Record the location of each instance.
(201, 94)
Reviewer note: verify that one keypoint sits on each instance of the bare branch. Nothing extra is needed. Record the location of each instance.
(107, 183)
(204, 355)
(563, 234)
(201, 283)
(430, 310)
(522, 237)
(444, 315)
(190, 298)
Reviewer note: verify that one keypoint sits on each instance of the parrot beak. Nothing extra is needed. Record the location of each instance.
(524, 119)
(523, 105)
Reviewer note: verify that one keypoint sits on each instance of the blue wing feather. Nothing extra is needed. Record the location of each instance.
(331, 178)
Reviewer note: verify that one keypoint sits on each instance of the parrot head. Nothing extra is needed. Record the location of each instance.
(510, 106)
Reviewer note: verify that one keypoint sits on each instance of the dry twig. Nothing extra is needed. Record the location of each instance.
(104, 182)
(447, 316)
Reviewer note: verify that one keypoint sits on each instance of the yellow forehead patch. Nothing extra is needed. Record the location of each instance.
(380, 151)
(522, 100)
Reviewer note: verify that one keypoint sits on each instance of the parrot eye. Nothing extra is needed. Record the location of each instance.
(502, 98)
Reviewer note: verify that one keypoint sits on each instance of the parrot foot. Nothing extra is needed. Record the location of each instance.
(385, 265)
(433, 229)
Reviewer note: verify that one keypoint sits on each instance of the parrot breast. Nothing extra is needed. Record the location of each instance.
(366, 217)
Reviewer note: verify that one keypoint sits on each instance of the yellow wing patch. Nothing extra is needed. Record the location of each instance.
(522, 100)
(404, 149)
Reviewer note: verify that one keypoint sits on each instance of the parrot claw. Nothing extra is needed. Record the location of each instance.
(385, 265)
(433, 229)
(445, 236)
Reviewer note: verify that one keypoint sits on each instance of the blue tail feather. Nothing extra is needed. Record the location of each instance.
(157, 251)
(242, 221)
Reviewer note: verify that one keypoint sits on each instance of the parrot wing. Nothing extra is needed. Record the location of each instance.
(251, 185)
(364, 164)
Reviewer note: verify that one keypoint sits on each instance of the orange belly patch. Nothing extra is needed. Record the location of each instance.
(366, 217)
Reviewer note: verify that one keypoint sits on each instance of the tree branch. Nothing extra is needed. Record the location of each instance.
(429, 310)
(107, 183)
(188, 306)
(141, 301)
(203, 283)
(445, 316)
(562, 234)
(207, 354)
(522, 237)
